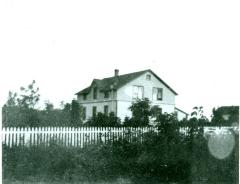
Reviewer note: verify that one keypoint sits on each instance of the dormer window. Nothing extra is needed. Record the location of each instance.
(84, 96)
(95, 93)
(148, 77)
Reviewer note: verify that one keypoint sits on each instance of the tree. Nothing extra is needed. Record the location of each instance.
(27, 101)
(140, 112)
(113, 120)
(155, 112)
(104, 120)
(225, 115)
(19, 110)
(75, 113)
(10, 112)
(49, 106)
(197, 112)
(143, 113)
(29, 97)
(198, 116)
(12, 99)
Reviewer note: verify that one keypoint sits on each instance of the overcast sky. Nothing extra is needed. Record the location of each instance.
(194, 46)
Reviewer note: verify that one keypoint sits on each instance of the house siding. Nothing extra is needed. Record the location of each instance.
(181, 115)
(124, 95)
(100, 102)
(119, 101)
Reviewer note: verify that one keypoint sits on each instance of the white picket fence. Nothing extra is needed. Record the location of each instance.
(81, 136)
(67, 136)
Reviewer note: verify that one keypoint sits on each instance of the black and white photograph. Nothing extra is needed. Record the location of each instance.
(119, 92)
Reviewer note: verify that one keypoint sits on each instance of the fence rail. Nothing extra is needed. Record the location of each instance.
(81, 136)
(67, 136)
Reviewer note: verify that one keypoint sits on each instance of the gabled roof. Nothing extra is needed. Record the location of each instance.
(116, 82)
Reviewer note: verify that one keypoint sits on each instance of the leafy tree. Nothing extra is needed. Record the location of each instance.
(27, 101)
(10, 111)
(29, 97)
(113, 120)
(67, 107)
(140, 112)
(127, 121)
(155, 111)
(225, 115)
(197, 112)
(12, 99)
(103, 120)
(49, 106)
(75, 113)
(198, 116)
(19, 110)
(166, 119)
(143, 113)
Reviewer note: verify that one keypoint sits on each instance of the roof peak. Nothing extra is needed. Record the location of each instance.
(120, 80)
(126, 74)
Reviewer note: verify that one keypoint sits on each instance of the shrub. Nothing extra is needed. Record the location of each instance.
(158, 156)
(103, 120)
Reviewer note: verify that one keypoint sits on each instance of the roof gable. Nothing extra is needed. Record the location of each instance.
(114, 83)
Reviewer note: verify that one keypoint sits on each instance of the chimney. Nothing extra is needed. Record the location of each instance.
(116, 72)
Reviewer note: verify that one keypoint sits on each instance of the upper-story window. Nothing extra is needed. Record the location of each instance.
(157, 93)
(137, 92)
(106, 94)
(148, 77)
(84, 96)
(95, 93)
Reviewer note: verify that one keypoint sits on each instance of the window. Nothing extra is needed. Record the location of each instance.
(95, 93)
(106, 109)
(84, 96)
(94, 111)
(137, 92)
(157, 93)
(148, 77)
(84, 113)
(106, 94)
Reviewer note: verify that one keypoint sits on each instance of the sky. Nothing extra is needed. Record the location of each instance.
(194, 46)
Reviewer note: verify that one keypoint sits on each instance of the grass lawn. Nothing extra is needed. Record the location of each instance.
(118, 181)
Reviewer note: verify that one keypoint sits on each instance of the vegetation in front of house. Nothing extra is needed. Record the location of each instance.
(226, 115)
(163, 156)
(21, 110)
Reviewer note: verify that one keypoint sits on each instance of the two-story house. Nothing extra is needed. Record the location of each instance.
(116, 94)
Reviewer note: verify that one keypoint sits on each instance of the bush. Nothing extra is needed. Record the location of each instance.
(161, 156)
(103, 120)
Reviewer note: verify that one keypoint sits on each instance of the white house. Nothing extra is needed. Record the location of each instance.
(116, 94)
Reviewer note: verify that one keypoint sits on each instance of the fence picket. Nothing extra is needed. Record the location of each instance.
(81, 136)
